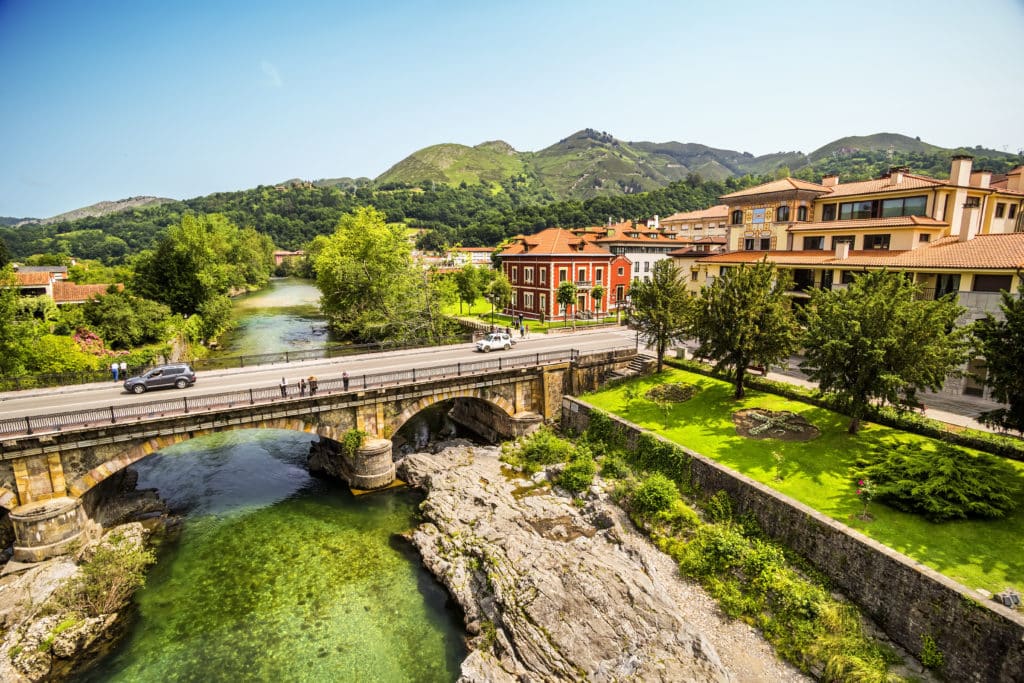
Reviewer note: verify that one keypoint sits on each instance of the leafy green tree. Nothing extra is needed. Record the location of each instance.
(370, 288)
(597, 294)
(1001, 342)
(15, 331)
(51, 353)
(124, 320)
(567, 297)
(661, 308)
(5, 254)
(470, 284)
(875, 340)
(744, 318)
(499, 291)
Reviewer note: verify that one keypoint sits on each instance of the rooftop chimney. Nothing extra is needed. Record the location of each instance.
(967, 222)
(896, 174)
(1015, 180)
(830, 180)
(960, 170)
(981, 178)
(657, 222)
(842, 250)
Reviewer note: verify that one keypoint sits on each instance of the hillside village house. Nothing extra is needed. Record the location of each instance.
(478, 256)
(47, 283)
(964, 234)
(698, 224)
(537, 264)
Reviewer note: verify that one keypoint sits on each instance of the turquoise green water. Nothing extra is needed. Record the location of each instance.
(284, 316)
(280, 576)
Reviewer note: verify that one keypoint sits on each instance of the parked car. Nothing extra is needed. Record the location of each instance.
(178, 375)
(495, 340)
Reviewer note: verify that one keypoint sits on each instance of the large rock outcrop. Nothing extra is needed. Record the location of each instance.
(555, 590)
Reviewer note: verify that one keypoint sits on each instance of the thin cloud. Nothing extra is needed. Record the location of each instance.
(272, 74)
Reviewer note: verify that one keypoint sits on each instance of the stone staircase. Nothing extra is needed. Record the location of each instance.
(641, 364)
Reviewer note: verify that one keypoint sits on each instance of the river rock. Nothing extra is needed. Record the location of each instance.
(552, 591)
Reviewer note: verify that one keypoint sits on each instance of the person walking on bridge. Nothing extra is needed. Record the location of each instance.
(344, 380)
(284, 388)
(312, 385)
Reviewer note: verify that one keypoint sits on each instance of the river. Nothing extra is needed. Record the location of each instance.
(276, 574)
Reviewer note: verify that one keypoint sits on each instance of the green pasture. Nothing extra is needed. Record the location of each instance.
(977, 553)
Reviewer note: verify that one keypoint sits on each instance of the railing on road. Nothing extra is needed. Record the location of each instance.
(201, 364)
(20, 426)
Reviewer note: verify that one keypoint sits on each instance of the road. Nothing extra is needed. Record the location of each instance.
(103, 394)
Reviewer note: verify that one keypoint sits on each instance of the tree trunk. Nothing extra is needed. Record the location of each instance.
(854, 425)
(740, 371)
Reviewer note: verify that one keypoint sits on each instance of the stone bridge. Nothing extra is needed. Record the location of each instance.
(44, 476)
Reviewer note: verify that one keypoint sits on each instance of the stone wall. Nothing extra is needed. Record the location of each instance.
(979, 639)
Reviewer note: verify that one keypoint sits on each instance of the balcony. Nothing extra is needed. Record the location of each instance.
(584, 284)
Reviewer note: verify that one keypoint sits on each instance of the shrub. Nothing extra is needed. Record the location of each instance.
(679, 517)
(613, 467)
(579, 473)
(947, 483)
(719, 507)
(655, 493)
(541, 448)
(105, 583)
(602, 430)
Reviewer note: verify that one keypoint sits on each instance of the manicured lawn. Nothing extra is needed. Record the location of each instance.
(979, 554)
(481, 310)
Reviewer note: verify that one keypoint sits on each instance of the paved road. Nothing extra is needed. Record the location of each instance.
(102, 394)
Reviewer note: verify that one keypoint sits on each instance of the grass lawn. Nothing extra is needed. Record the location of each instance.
(979, 554)
(481, 309)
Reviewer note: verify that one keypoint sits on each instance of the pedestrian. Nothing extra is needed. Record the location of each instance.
(124, 369)
(508, 331)
(113, 370)
(312, 385)
(302, 386)
(284, 388)
(344, 380)
(522, 329)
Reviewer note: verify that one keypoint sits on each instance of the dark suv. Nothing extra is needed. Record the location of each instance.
(178, 375)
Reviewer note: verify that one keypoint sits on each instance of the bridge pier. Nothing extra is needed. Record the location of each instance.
(48, 528)
(372, 466)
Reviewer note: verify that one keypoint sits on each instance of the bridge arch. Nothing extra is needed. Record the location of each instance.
(409, 411)
(139, 450)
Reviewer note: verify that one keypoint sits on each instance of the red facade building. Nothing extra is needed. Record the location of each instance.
(537, 264)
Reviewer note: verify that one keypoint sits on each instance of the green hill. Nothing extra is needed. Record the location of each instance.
(879, 142)
(488, 162)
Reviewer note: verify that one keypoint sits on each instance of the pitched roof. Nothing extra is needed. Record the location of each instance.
(888, 183)
(622, 232)
(33, 277)
(69, 292)
(984, 252)
(783, 185)
(714, 212)
(865, 223)
(41, 269)
(554, 241)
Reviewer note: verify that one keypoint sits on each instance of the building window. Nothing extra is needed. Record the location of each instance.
(563, 274)
(972, 202)
(647, 266)
(946, 284)
(543, 276)
(515, 274)
(528, 301)
(1013, 212)
(543, 298)
(876, 241)
(815, 243)
(528, 275)
(693, 275)
(801, 213)
(924, 237)
(766, 244)
(843, 239)
(748, 243)
(1000, 209)
(828, 212)
(622, 271)
(848, 276)
(581, 274)
(599, 276)
(826, 278)
(905, 206)
(992, 283)
(855, 210)
(619, 297)
(737, 217)
(782, 214)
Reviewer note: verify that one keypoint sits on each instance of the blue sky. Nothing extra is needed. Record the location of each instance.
(104, 100)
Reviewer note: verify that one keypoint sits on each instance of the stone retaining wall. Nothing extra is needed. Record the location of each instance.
(980, 640)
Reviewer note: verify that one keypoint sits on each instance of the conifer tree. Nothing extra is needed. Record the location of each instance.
(660, 308)
(1001, 342)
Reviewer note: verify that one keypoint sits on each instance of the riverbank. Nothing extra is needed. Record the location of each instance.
(552, 590)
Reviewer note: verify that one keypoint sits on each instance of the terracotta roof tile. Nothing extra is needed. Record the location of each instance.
(909, 181)
(715, 212)
(34, 277)
(984, 252)
(68, 292)
(864, 223)
(783, 185)
(555, 241)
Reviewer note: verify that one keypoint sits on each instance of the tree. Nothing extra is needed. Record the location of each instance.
(15, 330)
(875, 340)
(744, 318)
(567, 297)
(124, 320)
(499, 291)
(470, 284)
(661, 307)
(5, 254)
(596, 295)
(1001, 342)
